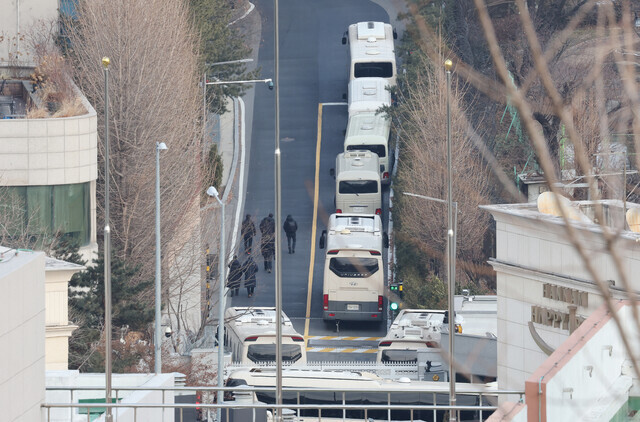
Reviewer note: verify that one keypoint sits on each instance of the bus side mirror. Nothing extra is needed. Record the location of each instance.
(344, 96)
(344, 39)
(332, 172)
(395, 34)
(381, 168)
(323, 239)
(385, 239)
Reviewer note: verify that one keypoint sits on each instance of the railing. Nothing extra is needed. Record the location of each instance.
(486, 403)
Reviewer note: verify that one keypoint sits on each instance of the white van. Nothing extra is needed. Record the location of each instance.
(353, 287)
(368, 95)
(371, 132)
(371, 50)
(250, 334)
(358, 188)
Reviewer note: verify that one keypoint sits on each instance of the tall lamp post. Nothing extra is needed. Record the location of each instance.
(160, 146)
(451, 268)
(211, 191)
(107, 247)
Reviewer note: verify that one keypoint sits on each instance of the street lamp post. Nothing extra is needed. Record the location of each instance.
(160, 146)
(451, 268)
(211, 191)
(278, 211)
(107, 247)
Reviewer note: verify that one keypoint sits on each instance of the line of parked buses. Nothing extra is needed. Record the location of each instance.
(353, 282)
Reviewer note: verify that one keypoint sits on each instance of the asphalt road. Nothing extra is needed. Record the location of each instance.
(313, 71)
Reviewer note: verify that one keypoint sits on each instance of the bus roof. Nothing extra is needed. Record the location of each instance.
(357, 165)
(367, 128)
(249, 321)
(344, 380)
(417, 325)
(368, 95)
(354, 231)
(479, 314)
(371, 41)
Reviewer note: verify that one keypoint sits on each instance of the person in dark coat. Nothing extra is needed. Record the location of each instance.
(235, 276)
(290, 227)
(250, 270)
(268, 226)
(248, 231)
(267, 247)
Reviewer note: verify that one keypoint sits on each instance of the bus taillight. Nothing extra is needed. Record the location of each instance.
(379, 211)
(432, 344)
(374, 252)
(333, 252)
(297, 338)
(384, 344)
(252, 338)
(385, 175)
(325, 300)
(379, 303)
(338, 211)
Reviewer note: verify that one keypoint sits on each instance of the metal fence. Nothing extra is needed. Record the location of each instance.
(246, 401)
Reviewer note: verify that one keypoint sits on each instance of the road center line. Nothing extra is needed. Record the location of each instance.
(316, 191)
(313, 224)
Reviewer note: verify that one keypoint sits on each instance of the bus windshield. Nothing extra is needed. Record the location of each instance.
(378, 149)
(373, 70)
(399, 355)
(353, 267)
(358, 186)
(267, 352)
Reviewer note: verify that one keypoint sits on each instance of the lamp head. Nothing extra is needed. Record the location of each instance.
(161, 146)
(448, 64)
(211, 191)
(105, 62)
(270, 84)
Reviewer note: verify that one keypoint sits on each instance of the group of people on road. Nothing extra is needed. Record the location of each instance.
(249, 269)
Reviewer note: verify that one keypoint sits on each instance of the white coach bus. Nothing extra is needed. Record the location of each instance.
(250, 334)
(372, 54)
(367, 390)
(370, 132)
(413, 329)
(358, 188)
(353, 287)
(368, 95)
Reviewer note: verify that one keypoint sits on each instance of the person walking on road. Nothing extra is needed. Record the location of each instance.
(250, 270)
(267, 247)
(235, 276)
(268, 226)
(290, 227)
(248, 231)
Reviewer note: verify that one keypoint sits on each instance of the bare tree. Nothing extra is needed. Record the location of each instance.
(153, 97)
(423, 170)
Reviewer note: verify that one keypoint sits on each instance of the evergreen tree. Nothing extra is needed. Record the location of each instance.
(220, 43)
(86, 299)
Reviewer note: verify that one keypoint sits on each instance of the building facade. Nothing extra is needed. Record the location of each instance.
(544, 288)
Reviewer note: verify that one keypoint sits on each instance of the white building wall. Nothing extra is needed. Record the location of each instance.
(22, 335)
(532, 250)
(18, 16)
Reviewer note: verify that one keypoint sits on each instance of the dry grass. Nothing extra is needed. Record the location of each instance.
(70, 107)
(37, 113)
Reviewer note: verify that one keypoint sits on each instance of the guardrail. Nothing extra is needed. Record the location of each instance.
(486, 400)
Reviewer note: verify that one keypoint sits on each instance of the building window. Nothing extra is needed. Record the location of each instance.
(40, 211)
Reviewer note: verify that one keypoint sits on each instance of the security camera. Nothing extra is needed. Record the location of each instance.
(270, 85)
(167, 332)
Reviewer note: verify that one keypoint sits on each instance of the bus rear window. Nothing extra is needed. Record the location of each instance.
(373, 70)
(358, 186)
(353, 267)
(378, 149)
(267, 352)
(399, 356)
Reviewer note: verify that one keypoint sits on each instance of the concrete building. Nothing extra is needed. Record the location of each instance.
(590, 377)
(544, 289)
(58, 328)
(22, 334)
(48, 167)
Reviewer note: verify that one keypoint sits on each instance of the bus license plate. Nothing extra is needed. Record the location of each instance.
(353, 307)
